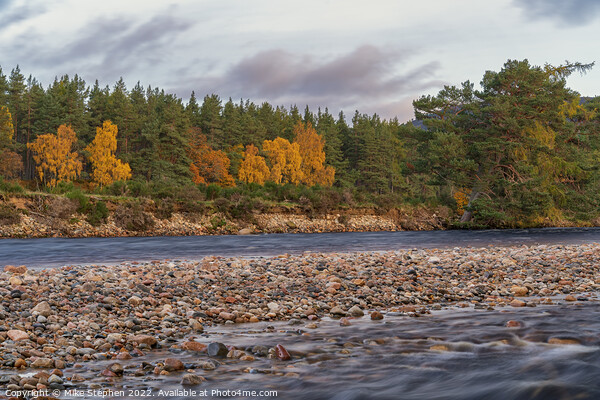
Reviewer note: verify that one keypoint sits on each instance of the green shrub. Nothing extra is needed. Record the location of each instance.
(83, 200)
(221, 204)
(138, 189)
(118, 188)
(212, 191)
(7, 187)
(62, 187)
(98, 213)
(217, 222)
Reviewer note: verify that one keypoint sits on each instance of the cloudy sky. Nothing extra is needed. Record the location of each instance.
(374, 56)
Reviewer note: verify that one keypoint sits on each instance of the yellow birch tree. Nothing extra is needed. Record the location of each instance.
(55, 162)
(6, 127)
(106, 167)
(311, 146)
(253, 168)
(285, 160)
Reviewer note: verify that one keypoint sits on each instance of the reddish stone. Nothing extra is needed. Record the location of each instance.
(282, 353)
(108, 373)
(513, 324)
(376, 316)
(194, 346)
(173, 364)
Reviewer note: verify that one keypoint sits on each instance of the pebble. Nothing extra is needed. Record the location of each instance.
(356, 311)
(216, 349)
(173, 364)
(337, 311)
(43, 363)
(513, 324)
(192, 380)
(42, 309)
(82, 315)
(17, 335)
(376, 316)
(282, 353)
(519, 291)
(517, 303)
(194, 346)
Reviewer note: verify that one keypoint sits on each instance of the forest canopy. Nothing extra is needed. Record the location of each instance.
(522, 148)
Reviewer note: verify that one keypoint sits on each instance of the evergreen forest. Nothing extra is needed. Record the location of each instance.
(521, 149)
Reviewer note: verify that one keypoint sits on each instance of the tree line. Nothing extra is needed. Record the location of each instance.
(522, 148)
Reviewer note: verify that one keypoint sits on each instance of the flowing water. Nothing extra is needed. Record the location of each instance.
(455, 353)
(448, 354)
(52, 252)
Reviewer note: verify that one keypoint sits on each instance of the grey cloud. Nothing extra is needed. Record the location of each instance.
(566, 12)
(365, 76)
(108, 47)
(14, 15)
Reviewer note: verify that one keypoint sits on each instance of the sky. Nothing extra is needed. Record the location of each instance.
(373, 56)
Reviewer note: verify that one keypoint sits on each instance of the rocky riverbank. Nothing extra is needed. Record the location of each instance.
(54, 216)
(57, 323)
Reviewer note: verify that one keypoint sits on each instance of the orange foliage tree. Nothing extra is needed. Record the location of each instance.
(311, 145)
(253, 168)
(285, 160)
(208, 165)
(55, 162)
(106, 167)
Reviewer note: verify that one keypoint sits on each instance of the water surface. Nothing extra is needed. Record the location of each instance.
(52, 252)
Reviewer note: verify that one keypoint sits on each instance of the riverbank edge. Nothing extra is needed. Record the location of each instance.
(45, 216)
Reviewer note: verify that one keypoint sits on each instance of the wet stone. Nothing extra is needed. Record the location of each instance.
(216, 349)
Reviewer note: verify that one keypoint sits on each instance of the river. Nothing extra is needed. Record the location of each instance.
(449, 352)
(52, 252)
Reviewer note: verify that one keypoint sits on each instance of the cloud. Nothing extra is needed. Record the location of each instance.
(12, 15)
(107, 48)
(365, 76)
(566, 12)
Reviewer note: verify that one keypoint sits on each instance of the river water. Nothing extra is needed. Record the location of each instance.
(52, 252)
(454, 353)
(448, 354)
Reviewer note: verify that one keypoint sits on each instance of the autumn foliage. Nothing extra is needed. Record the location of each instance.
(310, 146)
(106, 167)
(285, 160)
(208, 165)
(254, 168)
(55, 162)
(6, 126)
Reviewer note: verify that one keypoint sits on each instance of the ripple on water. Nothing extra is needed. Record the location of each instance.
(451, 354)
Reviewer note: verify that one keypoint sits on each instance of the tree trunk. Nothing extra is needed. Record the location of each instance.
(468, 215)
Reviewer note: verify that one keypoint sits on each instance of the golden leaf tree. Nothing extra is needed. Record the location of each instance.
(55, 162)
(285, 160)
(253, 168)
(6, 127)
(208, 165)
(11, 164)
(313, 156)
(106, 167)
